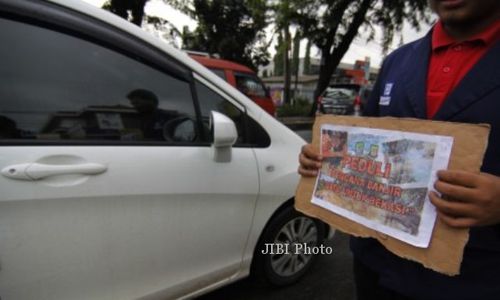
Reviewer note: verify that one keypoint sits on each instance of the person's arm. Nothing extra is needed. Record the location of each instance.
(467, 199)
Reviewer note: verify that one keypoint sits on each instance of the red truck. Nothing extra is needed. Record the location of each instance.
(239, 76)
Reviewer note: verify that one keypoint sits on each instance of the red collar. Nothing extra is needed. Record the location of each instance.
(441, 39)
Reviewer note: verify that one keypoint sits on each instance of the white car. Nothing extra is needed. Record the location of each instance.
(128, 170)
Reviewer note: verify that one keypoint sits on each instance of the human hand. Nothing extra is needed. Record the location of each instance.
(310, 161)
(468, 199)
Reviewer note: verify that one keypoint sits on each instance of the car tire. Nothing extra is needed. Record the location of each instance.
(287, 227)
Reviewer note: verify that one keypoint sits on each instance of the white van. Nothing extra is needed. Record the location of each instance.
(128, 170)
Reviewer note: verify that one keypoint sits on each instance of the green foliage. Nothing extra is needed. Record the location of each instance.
(300, 108)
(326, 22)
(232, 29)
(133, 11)
(106, 5)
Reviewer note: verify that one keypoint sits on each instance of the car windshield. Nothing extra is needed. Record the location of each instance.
(249, 84)
(340, 94)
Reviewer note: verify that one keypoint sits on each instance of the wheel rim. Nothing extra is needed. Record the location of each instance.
(300, 230)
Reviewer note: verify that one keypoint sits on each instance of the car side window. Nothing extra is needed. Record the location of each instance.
(210, 100)
(249, 84)
(219, 72)
(250, 133)
(58, 87)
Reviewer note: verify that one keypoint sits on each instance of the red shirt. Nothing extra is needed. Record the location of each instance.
(451, 60)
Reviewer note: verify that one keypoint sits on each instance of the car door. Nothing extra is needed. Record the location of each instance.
(98, 199)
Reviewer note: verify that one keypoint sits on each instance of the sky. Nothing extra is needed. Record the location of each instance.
(358, 51)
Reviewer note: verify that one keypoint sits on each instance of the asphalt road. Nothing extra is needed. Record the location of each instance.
(329, 278)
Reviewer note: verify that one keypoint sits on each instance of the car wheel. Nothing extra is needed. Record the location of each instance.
(289, 233)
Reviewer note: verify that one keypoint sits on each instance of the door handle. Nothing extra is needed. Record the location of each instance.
(36, 171)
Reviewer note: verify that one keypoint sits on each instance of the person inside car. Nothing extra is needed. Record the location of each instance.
(151, 118)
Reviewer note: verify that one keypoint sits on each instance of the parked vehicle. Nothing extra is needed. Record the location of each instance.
(343, 99)
(239, 76)
(130, 171)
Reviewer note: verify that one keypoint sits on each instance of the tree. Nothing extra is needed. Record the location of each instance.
(279, 56)
(284, 14)
(232, 29)
(162, 29)
(133, 11)
(286, 65)
(307, 58)
(332, 25)
(130, 10)
(295, 59)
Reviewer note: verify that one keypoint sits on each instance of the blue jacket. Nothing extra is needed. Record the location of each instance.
(400, 91)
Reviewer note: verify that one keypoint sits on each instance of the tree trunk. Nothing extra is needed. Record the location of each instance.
(330, 60)
(122, 7)
(286, 66)
(138, 11)
(296, 62)
(307, 58)
(119, 7)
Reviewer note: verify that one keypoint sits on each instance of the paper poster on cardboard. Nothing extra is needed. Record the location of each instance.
(381, 178)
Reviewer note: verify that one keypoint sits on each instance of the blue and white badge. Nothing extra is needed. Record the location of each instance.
(385, 99)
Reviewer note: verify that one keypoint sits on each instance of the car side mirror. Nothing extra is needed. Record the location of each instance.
(224, 136)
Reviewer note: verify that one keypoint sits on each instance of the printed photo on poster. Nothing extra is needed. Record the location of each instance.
(381, 179)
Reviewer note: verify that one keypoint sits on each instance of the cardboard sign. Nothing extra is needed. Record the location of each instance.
(375, 179)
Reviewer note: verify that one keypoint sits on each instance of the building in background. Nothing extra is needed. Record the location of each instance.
(303, 85)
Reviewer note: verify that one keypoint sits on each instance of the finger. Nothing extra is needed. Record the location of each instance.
(457, 222)
(307, 172)
(311, 152)
(452, 208)
(462, 178)
(455, 192)
(307, 163)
